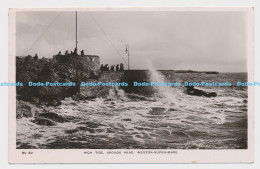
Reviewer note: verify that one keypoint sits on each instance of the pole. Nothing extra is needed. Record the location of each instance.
(128, 53)
(76, 30)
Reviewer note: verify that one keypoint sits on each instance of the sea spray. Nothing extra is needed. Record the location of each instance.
(165, 92)
(116, 94)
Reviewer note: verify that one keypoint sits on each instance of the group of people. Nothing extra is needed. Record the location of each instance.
(106, 67)
(72, 53)
(118, 67)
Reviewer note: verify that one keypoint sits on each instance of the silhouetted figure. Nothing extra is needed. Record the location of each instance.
(36, 56)
(101, 67)
(112, 68)
(106, 68)
(75, 51)
(117, 67)
(59, 53)
(121, 66)
(71, 52)
(67, 52)
(82, 52)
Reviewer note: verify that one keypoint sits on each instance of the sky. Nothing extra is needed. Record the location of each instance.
(177, 40)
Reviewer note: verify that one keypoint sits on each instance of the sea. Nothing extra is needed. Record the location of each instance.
(159, 118)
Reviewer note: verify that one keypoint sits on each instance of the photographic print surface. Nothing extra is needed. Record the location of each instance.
(132, 79)
(131, 117)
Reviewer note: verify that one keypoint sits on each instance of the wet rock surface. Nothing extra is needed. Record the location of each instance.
(53, 116)
(44, 121)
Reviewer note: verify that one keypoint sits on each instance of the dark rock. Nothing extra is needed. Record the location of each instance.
(157, 110)
(196, 92)
(91, 124)
(179, 133)
(75, 97)
(24, 109)
(36, 136)
(53, 103)
(53, 116)
(127, 119)
(44, 121)
(60, 68)
(71, 131)
(43, 103)
(35, 100)
(212, 94)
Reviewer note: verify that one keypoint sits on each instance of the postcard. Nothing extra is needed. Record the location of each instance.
(131, 85)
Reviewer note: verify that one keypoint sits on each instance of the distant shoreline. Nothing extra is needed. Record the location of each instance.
(181, 71)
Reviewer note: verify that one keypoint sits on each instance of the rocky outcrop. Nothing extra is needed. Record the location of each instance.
(61, 68)
(197, 92)
(24, 109)
(52, 116)
(37, 115)
(44, 121)
(48, 119)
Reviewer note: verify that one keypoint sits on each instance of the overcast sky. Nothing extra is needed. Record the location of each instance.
(169, 40)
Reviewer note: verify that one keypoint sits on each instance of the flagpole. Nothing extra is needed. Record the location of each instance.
(76, 30)
(128, 53)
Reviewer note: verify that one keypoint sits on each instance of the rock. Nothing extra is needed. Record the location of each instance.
(91, 124)
(42, 102)
(196, 92)
(54, 102)
(53, 116)
(75, 97)
(212, 94)
(61, 68)
(35, 100)
(24, 109)
(44, 121)
(156, 110)
(71, 131)
(127, 119)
